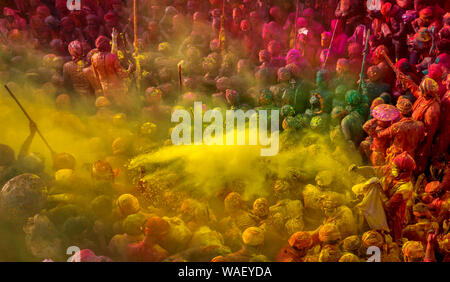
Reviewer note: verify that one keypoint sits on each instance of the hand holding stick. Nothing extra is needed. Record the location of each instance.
(32, 123)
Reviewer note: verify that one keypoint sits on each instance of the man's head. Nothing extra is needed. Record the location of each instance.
(301, 242)
(404, 105)
(342, 66)
(413, 251)
(329, 234)
(372, 238)
(428, 88)
(157, 228)
(402, 165)
(233, 202)
(329, 204)
(261, 208)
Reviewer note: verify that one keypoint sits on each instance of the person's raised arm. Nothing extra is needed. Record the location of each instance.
(24, 149)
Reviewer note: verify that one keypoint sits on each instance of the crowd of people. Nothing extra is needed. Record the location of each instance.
(362, 86)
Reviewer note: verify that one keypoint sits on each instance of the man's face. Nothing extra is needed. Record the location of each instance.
(329, 208)
(325, 41)
(261, 208)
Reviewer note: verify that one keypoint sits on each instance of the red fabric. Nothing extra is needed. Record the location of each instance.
(379, 144)
(396, 215)
(103, 44)
(405, 162)
(144, 252)
(442, 140)
(406, 134)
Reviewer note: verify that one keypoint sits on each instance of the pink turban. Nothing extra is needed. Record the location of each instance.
(76, 50)
(103, 44)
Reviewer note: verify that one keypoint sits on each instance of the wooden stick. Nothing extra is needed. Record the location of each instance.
(180, 79)
(366, 50)
(331, 43)
(29, 118)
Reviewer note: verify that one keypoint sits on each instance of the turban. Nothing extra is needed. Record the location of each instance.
(443, 60)
(426, 12)
(404, 162)
(103, 44)
(128, 204)
(43, 11)
(329, 233)
(374, 73)
(253, 236)
(76, 50)
(351, 243)
(429, 87)
(349, 257)
(157, 227)
(435, 72)
(63, 161)
(102, 170)
(353, 97)
(404, 105)
(300, 240)
(372, 238)
(403, 65)
(413, 249)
